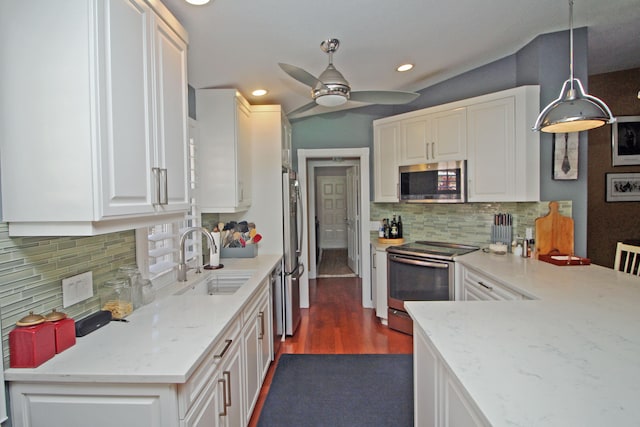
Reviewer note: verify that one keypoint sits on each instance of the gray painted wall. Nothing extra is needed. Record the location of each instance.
(544, 61)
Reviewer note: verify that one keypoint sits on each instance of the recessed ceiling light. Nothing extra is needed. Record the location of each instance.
(259, 92)
(198, 2)
(404, 67)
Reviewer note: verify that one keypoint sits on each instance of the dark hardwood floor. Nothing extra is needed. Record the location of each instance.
(336, 323)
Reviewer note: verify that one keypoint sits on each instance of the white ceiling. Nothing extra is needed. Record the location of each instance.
(238, 43)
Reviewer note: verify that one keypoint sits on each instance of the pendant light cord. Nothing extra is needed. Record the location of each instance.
(571, 43)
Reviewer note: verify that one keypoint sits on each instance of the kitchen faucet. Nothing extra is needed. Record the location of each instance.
(182, 265)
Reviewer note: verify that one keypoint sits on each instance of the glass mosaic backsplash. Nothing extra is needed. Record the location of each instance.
(468, 223)
(32, 269)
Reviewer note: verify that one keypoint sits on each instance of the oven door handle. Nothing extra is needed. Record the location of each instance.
(411, 261)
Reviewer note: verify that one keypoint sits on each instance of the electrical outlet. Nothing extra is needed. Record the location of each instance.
(77, 288)
(374, 225)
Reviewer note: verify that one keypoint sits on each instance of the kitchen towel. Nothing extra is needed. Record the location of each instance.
(214, 258)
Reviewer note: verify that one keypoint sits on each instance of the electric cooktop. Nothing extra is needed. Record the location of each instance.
(427, 249)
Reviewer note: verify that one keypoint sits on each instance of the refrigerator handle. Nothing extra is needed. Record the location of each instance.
(300, 219)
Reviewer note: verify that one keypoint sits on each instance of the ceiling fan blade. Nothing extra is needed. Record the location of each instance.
(300, 75)
(383, 97)
(302, 109)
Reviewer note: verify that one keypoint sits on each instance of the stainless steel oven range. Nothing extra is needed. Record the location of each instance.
(420, 271)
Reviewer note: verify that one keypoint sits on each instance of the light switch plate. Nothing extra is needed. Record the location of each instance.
(77, 288)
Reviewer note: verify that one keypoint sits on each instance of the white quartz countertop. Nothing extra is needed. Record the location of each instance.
(569, 357)
(162, 342)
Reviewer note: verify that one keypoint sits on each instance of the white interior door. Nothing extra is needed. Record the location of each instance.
(353, 219)
(332, 215)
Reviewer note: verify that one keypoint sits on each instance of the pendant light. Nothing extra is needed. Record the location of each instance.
(574, 110)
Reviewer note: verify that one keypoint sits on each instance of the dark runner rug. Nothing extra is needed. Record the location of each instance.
(340, 390)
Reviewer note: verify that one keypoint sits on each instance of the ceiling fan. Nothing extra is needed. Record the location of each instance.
(331, 89)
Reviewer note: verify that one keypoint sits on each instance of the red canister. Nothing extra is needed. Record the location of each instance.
(65, 330)
(32, 343)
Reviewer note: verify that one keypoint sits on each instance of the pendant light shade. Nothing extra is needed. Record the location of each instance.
(574, 110)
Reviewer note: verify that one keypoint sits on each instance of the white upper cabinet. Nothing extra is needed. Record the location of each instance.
(94, 117)
(504, 153)
(224, 151)
(492, 132)
(172, 155)
(386, 149)
(434, 137)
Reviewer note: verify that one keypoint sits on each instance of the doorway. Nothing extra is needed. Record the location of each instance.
(357, 205)
(337, 213)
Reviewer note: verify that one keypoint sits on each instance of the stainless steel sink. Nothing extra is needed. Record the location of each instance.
(218, 284)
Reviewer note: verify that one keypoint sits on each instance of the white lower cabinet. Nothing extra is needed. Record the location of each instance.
(476, 286)
(231, 380)
(221, 392)
(206, 410)
(439, 398)
(379, 279)
(106, 405)
(258, 344)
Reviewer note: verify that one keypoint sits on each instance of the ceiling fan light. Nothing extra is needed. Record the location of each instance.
(331, 100)
(573, 111)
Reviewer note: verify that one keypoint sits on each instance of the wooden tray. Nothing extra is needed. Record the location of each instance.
(563, 260)
(390, 241)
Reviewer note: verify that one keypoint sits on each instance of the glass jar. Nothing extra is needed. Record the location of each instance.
(132, 275)
(115, 296)
(148, 293)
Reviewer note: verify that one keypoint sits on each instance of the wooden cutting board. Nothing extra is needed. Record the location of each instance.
(554, 232)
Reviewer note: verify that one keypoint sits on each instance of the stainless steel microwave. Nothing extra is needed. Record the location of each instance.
(442, 182)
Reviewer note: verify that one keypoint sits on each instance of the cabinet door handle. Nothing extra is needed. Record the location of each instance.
(433, 148)
(156, 178)
(224, 350)
(224, 397)
(485, 286)
(227, 374)
(261, 316)
(165, 186)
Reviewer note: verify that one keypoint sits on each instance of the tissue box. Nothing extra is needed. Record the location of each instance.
(249, 251)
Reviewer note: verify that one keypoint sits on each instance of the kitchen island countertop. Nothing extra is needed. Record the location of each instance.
(570, 356)
(162, 342)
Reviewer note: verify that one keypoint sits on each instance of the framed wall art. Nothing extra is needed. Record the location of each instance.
(622, 187)
(565, 156)
(625, 141)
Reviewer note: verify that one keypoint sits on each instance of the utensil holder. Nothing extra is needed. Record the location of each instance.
(502, 234)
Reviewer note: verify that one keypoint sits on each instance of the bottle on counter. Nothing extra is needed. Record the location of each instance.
(394, 227)
(381, 230)
(400, 235)
(387, 229)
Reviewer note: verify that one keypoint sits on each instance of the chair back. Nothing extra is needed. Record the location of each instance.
(627, 259)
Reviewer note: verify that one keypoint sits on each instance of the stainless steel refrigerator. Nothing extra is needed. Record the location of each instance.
(293, 267)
